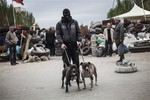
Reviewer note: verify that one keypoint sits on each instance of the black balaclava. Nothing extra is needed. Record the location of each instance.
(66, 15)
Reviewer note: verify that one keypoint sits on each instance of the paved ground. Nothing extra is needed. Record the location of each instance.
(42, 80)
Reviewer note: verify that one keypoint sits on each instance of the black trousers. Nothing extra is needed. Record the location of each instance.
(51, 46)
(72, 54)
(12, 55)
(108, 48)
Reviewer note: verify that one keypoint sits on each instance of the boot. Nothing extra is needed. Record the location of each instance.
(121, 58)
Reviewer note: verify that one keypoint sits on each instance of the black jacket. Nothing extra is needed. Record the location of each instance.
(50, 37)
(119, 31)
(68, 32)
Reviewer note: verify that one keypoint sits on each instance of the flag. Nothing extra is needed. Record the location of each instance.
(19, 1)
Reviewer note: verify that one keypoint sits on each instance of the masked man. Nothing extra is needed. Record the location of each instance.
(69, 36)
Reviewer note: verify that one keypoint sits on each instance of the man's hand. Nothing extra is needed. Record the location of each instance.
(63, 46)
(79, 44)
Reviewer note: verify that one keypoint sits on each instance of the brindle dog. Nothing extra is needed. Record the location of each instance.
(88, 70)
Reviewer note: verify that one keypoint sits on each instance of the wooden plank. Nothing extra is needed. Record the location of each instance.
(27, 46)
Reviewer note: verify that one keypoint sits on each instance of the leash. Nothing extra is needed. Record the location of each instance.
(81, 54)
(67, 56)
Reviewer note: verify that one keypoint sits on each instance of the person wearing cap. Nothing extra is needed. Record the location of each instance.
(69, 36)
(11, 40)
(119, 35)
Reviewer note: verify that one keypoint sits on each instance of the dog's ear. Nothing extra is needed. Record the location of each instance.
(89, 63)
(81, 63)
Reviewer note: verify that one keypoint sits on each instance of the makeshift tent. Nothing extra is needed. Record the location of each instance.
(135, 12)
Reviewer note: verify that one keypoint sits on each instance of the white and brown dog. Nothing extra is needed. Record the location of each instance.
(88, 70)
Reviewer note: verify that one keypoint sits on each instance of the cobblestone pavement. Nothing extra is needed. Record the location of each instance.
(42, 80)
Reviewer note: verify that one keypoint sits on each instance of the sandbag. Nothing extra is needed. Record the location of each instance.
(100, 40)
(44, 58)
(99, 51)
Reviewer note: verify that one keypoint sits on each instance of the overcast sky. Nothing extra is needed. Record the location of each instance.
(48, 12)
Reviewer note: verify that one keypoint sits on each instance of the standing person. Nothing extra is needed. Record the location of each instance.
(11, 39)
(69, 36)
(108, 36)
(119, 35)
(50, 40)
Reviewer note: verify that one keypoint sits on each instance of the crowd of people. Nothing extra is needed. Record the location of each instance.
(48, 39)
(68, 35)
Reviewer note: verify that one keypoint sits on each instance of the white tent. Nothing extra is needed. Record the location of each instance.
(136, 11)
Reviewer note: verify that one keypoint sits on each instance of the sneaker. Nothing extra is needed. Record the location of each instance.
(13, 64)
(16, 63)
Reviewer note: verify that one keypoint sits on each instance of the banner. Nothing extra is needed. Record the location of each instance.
(19, 1)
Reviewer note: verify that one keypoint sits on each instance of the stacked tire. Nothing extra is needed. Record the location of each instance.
(35, 39)
(86, 50)
(95, 27)
(40, 50)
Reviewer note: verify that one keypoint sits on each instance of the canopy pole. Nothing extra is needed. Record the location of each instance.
(112, 7)
(143, 9)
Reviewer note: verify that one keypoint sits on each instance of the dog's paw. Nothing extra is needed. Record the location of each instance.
(79, 89)
(62, 87)
(96, 84)
(90, 89)
(84, 88)
(66, 91)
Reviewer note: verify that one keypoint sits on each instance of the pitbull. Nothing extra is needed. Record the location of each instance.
(88, 70)
(71, 73)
